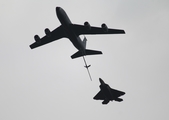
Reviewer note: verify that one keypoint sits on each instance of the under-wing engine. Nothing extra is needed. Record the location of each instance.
(37, 38)
(104, 27)
(47, 32)
(87, 25)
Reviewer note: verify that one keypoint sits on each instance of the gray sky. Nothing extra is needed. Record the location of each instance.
(46, 84)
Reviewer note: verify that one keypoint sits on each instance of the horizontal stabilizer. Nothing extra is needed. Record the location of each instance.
(105, 101)
(118, 99)
(87, 52)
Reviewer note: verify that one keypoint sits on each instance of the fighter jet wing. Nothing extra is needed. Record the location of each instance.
(100, 96)
(81, 29)
(52, 36)
(117, 93)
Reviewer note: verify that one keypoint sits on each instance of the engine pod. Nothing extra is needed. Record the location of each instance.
(104, 27)
(87, 25)
(47, 32)
(37, 38)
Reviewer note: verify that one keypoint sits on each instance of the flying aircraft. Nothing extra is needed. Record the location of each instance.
(107, 94)
(72, 31)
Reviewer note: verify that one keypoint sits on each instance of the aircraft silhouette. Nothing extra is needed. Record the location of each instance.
(107, 94)
(72, 32)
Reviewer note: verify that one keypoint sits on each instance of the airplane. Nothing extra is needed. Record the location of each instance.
(72, 31)
(107, 94)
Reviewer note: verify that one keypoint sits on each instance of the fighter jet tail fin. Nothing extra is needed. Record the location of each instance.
(87, 52)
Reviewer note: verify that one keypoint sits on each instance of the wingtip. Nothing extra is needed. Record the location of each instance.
(31, 46)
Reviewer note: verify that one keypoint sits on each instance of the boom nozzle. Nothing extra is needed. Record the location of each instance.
(87, 66)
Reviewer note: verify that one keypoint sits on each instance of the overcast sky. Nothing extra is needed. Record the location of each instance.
(46, 84)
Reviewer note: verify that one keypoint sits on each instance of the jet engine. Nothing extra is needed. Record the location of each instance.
(104, 27)
(37, 38)
(87, 25)
(47, 32)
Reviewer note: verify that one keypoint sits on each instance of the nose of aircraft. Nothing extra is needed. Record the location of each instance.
(57, 8)
(101, 81)
(123, 93)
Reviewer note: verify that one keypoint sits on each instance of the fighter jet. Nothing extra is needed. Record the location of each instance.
(72, 31)
(107, 94)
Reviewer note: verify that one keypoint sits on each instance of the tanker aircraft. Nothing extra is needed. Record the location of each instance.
(73, 31)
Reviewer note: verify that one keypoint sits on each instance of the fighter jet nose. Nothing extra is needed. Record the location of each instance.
(101, 81)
